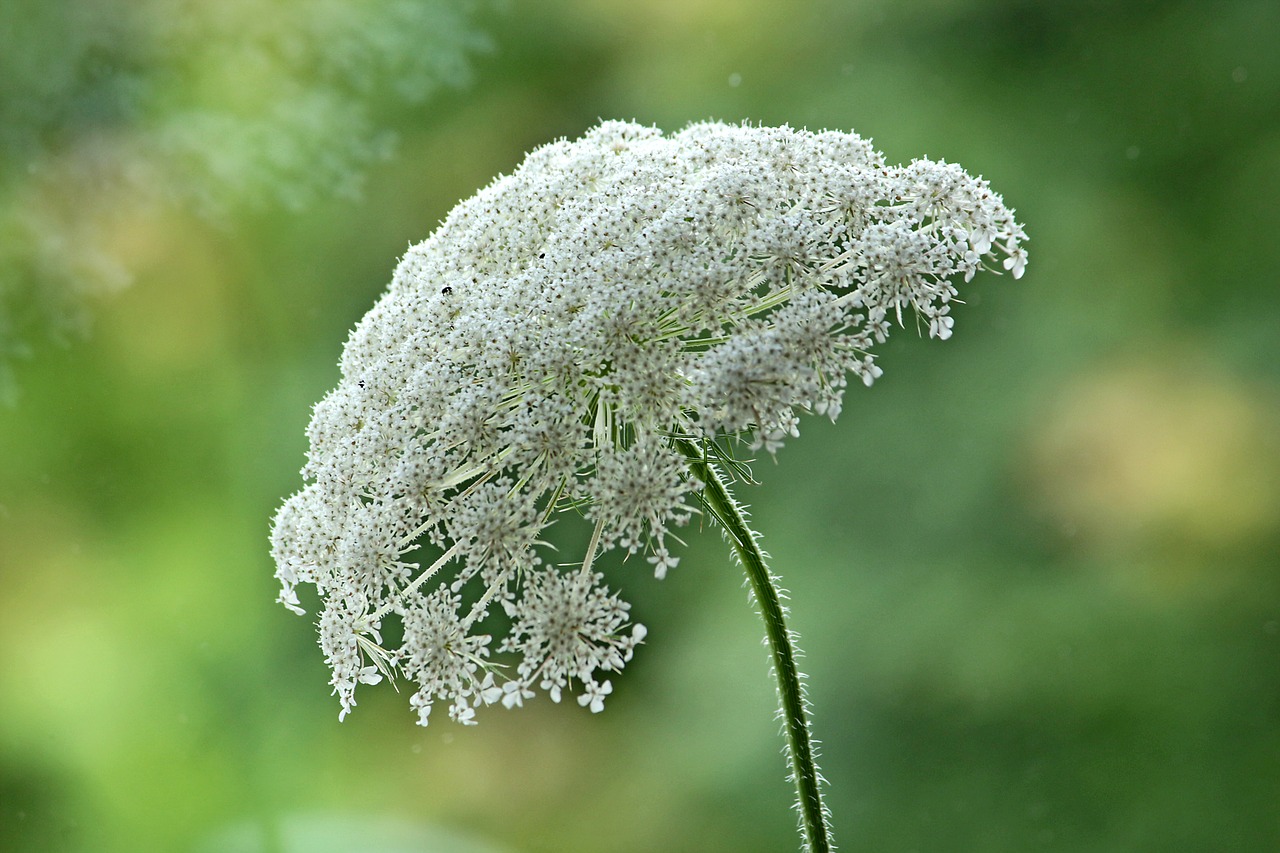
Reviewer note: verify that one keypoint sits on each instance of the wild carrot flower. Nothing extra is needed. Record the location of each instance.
(565, 341)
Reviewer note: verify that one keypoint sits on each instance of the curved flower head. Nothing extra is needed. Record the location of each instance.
(547, 346)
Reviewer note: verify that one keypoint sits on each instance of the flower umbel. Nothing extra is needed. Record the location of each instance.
(559, 344)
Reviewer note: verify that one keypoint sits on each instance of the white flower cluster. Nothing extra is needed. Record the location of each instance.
(546, 348)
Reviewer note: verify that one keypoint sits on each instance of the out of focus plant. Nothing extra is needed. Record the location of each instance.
(108, 108)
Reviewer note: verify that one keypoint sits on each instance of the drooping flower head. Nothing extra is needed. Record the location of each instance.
(548, 346)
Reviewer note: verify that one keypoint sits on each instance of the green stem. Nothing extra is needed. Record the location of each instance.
(813, 814)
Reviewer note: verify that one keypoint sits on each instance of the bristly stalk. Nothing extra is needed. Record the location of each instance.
(793, 705)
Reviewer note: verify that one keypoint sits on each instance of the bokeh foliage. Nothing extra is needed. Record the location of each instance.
(1036, 568)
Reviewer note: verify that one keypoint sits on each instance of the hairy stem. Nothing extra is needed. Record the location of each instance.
(804, 770)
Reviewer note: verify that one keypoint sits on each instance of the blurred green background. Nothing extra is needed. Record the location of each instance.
(1035, 569)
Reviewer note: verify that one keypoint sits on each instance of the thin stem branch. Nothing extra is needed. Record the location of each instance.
(813, 813)
(417, 582)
